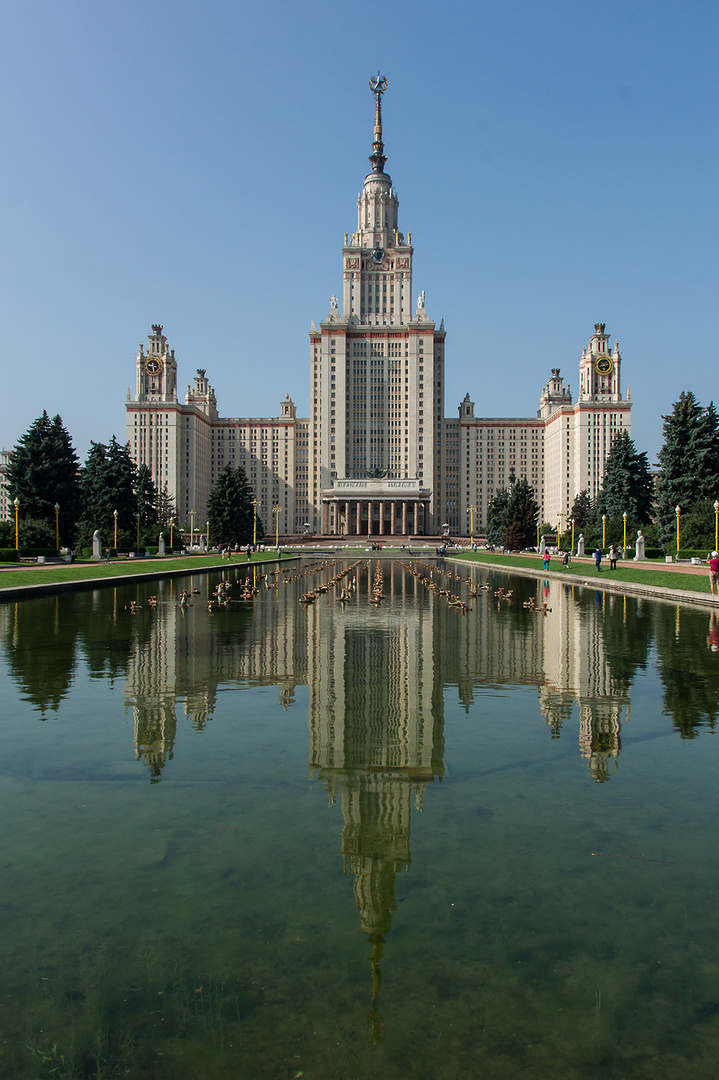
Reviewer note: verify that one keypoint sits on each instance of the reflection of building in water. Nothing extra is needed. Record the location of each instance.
(188, 655)
(577, 668)
(375, 720)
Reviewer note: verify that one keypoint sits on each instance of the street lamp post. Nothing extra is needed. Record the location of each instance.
(208, 536)
(171, 524)
(57, 526)
(192, 527)
(624, 515)
(115, 516)
(16, 504)
(677, 511)
(604, 531)
(254, 531)
(572, 535)
(716, 525)
(276, 512)
(471, 525)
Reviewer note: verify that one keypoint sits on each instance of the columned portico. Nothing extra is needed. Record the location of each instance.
(378, 511)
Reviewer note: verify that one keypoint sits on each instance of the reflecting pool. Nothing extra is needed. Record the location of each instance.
(460, 826)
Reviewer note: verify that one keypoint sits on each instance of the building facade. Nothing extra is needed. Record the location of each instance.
(377, 457)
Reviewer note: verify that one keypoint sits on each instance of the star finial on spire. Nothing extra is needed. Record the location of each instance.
(378, 85)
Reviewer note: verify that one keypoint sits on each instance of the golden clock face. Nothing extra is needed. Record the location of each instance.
(153, 366)
(603, 365)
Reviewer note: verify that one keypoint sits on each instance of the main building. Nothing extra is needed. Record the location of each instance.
(377, 456)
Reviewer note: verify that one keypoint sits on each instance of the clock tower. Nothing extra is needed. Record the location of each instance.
(599, 368)
(156, 369)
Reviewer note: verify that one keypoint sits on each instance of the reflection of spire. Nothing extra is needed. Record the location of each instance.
(375, 1022)
(155, 730)
(375, 845)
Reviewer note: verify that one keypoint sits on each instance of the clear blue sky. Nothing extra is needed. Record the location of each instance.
(197, 164)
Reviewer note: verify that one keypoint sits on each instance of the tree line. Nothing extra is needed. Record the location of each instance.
(687, 477)
(60, 498)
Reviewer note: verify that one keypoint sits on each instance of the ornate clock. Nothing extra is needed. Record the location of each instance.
(153, 366)
(603, 365)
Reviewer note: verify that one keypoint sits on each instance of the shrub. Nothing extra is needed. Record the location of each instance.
(8, 555)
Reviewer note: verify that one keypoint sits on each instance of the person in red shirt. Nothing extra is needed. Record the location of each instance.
(713, 561)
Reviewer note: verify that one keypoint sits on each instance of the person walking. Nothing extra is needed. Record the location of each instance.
(598, 560)
(565, 560)
(613, 557)
(713, 561)
(545, 560)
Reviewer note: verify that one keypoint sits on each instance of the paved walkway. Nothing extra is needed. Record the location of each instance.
(582, 572)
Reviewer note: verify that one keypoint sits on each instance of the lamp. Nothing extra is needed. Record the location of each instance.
(716, 525)
(57, 526)
(115, 544)
(604, 531)
(16, 504)
(624, 515)
(677, 511)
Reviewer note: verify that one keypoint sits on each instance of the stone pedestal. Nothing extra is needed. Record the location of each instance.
(96, 545)
(639, 549)
(161, 544)
(580, 546)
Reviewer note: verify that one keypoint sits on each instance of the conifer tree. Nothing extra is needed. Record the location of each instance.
(521, 514)
(166, 509)
(43, 471)
(627, 484)
(495, 516)
(583, 512)
(688, 461)
(108, 483)
(146, 494)
(230, 512)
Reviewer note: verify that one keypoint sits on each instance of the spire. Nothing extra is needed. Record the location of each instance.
(378, 85)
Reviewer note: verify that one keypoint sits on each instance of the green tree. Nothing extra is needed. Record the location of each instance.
(688, 462)
(166, 510)
(495, 517)
(583, 510)
(108, 481)
(521, 514)
(146, 495)
(43, 471)
(628, 484)
(230, 512)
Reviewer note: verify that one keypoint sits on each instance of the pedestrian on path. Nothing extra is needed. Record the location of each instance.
(545, 560)
(713, 561)
(598, 560)
(613, 557)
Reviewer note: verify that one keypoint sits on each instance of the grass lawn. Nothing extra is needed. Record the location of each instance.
(662, 579)
(49, 575)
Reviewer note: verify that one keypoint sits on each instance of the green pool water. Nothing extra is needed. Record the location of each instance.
(367, 840)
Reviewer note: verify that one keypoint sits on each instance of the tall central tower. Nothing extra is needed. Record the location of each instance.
(377, 390)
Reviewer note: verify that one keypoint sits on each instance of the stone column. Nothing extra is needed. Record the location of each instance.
(416, 518)
(404, 517)
(393, 511)
(326, 518)
(358, 523)
(382, 505)
(370, 509)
